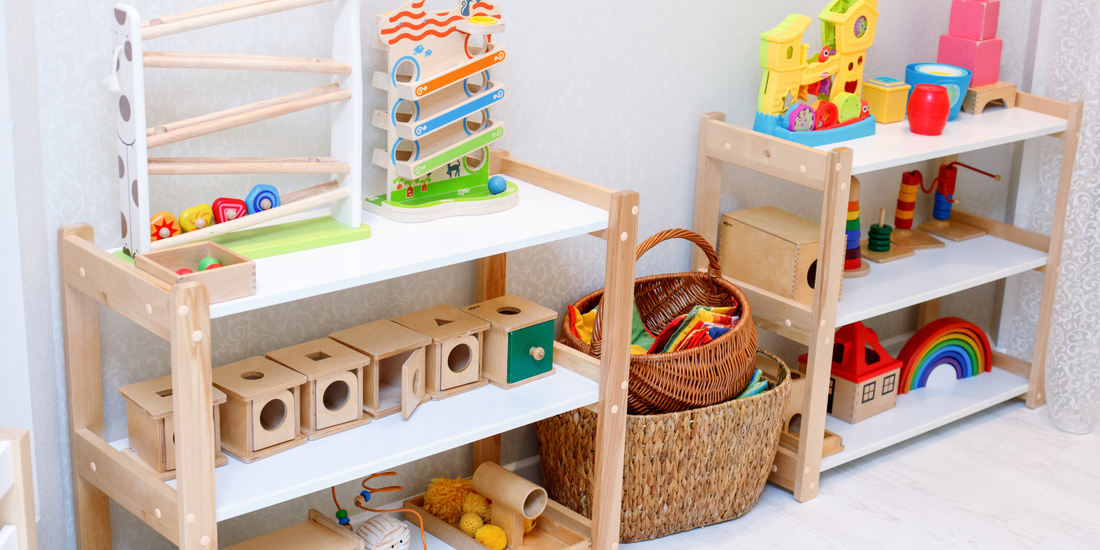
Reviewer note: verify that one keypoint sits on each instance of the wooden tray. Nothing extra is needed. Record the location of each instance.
(558, 528)
(235, 279)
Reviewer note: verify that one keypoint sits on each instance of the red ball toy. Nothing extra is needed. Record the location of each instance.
(183, 271)
(929, 109)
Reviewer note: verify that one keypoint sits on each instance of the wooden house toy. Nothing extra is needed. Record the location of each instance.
(261, 416)
(454, 355)
(234, 279)
(151, 426)
(519, 346)
(439, 94)
(887, 98)
(771, 249)
(396, 377)
(865, 378)
(332, 397)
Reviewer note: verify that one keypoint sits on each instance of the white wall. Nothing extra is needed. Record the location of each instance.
(608, 91)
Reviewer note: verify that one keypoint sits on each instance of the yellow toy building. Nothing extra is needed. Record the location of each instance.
(814, 99)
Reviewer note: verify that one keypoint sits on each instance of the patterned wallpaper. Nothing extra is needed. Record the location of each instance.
(610, 92)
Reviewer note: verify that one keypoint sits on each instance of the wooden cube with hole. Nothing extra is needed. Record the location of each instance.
(519, 345)
(454, 355)
(396, 377)
(151, 428)
(772, 250)
(261, 415)
(332, 397)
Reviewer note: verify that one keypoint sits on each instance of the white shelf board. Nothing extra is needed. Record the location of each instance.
(933, 273)
(396, 249)
(895, 145)
(383, 444)
(943, 401)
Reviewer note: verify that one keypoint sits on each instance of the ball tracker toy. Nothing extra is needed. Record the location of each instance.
(948, 341)
(878, 247)
(955, 81)
(904, 235)
(929, 109)
(942, 225)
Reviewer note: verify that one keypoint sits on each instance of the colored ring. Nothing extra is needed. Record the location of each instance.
(908, 206)
(852, 225)
(853, 215)
(903, 215)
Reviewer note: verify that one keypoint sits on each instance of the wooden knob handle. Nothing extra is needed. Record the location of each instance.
(538, 353)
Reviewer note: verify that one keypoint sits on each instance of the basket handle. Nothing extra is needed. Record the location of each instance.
(714, 269)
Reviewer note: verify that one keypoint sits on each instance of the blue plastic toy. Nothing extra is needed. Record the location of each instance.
(497, 185)
(262, 197)
(955, 79)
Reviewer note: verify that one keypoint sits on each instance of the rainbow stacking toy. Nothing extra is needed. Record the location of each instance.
(948, 341)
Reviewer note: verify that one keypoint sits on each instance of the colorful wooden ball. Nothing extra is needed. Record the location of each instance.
(183, 271)
(497, 185)
(208, 261)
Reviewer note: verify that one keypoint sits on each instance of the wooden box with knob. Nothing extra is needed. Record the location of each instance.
(519, 346)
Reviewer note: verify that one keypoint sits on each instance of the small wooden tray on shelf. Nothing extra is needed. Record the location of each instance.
(235, 279)
(558, 528)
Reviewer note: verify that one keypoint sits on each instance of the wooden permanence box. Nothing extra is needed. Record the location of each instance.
(332, 397)
(151, 426)
(236, 277)
(771, 249)
(261, 415)
(454, 355)
(396, 377)
(519, 346)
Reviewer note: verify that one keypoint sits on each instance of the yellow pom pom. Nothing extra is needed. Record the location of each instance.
(492, 537)
(470, 523)
(479, 505)
(444, 498)
(528, 525)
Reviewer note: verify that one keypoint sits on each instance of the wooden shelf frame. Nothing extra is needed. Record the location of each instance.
(186, 515)
(829, 171)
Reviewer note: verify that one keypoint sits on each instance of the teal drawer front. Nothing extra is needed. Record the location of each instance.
(521, 364)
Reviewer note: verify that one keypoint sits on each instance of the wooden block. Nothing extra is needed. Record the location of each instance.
(980, 97)
(454, 356)
(396, 377)
(896, 252)
(262, 413)
(150, 424)
(332, 397)
(951, 230)
(236, 277)
(770, 249)
(519, 344)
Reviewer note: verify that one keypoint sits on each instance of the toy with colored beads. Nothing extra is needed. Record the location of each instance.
(877, 246)
(942, 225)
(854, 266)
(381, 531)
(904, 235)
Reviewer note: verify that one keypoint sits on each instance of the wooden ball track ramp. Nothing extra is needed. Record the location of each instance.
(878, 248)
(942, 225)
(903, 233)
(135, 138)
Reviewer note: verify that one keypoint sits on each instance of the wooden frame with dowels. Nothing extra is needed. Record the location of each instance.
(798, 466)
(180, 313)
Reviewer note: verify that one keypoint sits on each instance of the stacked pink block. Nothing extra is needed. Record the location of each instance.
(971, 41)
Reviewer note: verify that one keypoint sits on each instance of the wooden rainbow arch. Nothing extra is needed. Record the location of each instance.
(948, 341)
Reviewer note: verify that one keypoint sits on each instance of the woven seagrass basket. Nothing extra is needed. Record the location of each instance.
(686, 379)
(683, 470)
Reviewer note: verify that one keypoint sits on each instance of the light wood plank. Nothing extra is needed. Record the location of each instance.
(492, 279)
(708, 192)
(580, 363)
(769, 155)
(312, 92)
(17, 506)
(1006, 362)
(574, 188)
(210, 166)
(209, 17)
(1045, 105)
(778, 314)
(1002, 230)
(927, 312)
(176, 60)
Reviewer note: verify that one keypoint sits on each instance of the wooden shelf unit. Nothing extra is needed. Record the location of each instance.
(186, 512)
(828, 169)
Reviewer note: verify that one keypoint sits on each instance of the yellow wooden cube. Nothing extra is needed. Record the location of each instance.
(887, 98)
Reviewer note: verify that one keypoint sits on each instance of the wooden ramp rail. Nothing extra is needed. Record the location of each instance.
(313, 65)
(218, 15)
(247, 165)
(247, 114)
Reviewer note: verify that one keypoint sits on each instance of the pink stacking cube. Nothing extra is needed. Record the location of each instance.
(974, 19)
(982, 57)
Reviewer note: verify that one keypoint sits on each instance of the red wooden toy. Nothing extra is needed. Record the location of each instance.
(229, 209)
(865, 377)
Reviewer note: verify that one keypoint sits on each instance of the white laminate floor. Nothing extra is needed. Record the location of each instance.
(1001, 479)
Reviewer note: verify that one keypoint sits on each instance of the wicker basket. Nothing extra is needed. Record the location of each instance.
(683, 470)
(691, 378)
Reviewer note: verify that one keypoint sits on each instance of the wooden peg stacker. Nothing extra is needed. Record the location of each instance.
(904, 234)
(878, 248)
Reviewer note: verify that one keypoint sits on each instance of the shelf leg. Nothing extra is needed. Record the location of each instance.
(622, 236)
(84, 379)
(192, 399)
(927, 312)
(708, 192)
(1036, 396)
(492, 279)
(818, 365)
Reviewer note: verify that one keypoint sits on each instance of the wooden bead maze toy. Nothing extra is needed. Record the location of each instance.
(854, 266)
(904, 234)
(143, 233)
(815, 99)
(942, 225)
(438, 125)
(877, 246)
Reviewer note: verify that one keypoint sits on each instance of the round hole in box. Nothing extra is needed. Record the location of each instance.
(476, 82)
(405, 150)
(459, 358)
(416, 381)
(508, 310)
(252, 375)
(476, 44)
(404, 110)
(811, 275)
(534, 503)
(336, 395)
(272, 415)
(474, 160)
(476, 121)
(406, 71)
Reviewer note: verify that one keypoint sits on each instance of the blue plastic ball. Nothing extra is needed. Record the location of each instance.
(497, 185)
(345, 521)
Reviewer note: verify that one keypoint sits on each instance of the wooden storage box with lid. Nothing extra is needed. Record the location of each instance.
(261, 416)
(454, 355)
(770, 249)
(332, 397)
(519, 345)
(396, 377)
(151, 426)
